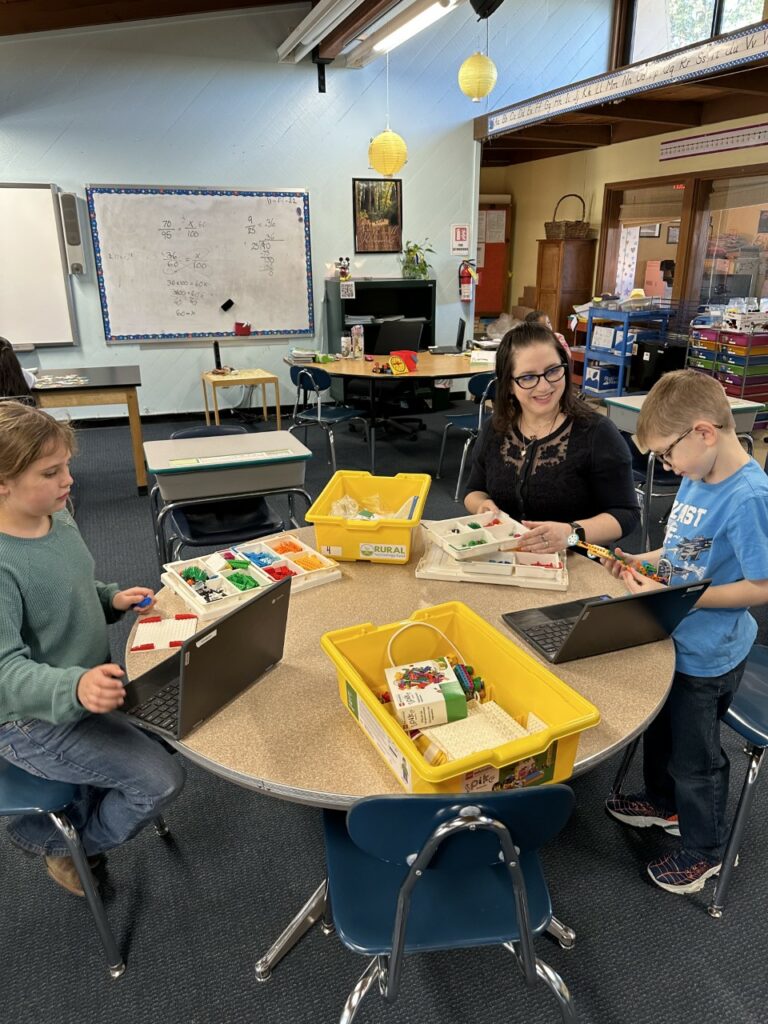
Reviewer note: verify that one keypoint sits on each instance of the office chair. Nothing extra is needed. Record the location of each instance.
(212, 524)
(310, 379)
(482, 387)
(24, 793)
(394, 336)
(416, 874)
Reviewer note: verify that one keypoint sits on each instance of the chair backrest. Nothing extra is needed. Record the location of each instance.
(310, 378)
(478, 386)
(392, 828)
(398, 334)
(209, 430)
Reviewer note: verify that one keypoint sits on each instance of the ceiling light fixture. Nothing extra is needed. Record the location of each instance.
(403, 26)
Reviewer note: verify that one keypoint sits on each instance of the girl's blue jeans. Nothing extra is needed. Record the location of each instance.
(125, 777)
(684, 766)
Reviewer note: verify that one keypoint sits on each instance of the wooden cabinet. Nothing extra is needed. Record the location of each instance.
(564, 276)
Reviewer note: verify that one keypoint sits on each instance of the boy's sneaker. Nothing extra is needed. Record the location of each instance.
(634, 809)
(683, 872)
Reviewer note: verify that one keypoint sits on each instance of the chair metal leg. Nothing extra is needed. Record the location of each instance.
(115, 962)
(565, 936)
(161, 827)
(626, 761)
(360, 991)
(312, 912)
(446, 428)
(559, 989)
(467, 445)
(331, 449)
(327, 925)
(730, 858)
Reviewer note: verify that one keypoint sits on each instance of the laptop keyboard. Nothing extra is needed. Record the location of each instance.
(550, 636)
(162, 708)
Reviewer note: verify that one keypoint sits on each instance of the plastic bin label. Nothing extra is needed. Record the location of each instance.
(531, 771)
(396, 761)
(332, 550)
(397, 552)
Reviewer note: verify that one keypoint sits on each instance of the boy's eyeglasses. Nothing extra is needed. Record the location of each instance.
(552, 375)
(663, 457)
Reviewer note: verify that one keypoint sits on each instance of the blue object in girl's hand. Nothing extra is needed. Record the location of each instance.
(144, 603)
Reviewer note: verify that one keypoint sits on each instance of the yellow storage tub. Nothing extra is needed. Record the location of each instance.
(513, 679)
(385, 540)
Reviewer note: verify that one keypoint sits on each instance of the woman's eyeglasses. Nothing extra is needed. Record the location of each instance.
(552, 375)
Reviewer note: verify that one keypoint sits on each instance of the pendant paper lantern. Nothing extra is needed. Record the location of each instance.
(387, 153)
(477, 76)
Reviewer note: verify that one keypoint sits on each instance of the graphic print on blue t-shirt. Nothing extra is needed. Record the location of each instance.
(718, 532)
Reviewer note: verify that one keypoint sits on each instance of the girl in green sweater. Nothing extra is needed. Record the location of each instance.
(58, 688)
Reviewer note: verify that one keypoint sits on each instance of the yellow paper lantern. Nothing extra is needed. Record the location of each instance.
(387, 153)
(477, 76)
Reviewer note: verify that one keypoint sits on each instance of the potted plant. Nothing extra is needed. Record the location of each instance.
(414, 260)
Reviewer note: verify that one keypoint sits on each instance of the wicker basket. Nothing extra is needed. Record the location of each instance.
(567, 228)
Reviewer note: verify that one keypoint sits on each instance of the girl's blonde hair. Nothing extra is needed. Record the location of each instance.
(678, 400)
(27, 434)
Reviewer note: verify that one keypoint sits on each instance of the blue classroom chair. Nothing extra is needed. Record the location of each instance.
(313, 381)
(483, 387)
(415, 874)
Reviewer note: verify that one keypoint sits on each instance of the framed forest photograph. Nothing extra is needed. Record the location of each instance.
(378, 214)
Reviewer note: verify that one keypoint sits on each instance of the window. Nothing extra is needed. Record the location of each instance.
(735, 264)
(658, 26)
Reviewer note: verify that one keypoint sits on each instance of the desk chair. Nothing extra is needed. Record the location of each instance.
(748, 716)
(395, 336)
(23, 793)
(482, 387)
(212, 524)
(312, 380)
(416, 874)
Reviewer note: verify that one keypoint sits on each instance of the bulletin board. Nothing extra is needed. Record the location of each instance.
(176, 263)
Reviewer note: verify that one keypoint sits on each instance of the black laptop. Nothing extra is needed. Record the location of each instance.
(597, 625)
(446, 350)
(212, 667)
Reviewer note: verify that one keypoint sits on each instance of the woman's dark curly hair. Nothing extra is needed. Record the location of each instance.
(506, 408)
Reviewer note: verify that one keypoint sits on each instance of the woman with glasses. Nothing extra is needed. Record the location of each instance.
(545, 457)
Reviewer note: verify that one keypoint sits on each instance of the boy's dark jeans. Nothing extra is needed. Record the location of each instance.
(685, 768)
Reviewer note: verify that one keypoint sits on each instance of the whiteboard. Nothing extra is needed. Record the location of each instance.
(168, 259)
(35, 294)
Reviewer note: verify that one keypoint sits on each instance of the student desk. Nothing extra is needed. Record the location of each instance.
(104, 385)
(239, 378)
(430, 367)
(625, 411)
(290, 736)
(208, 470)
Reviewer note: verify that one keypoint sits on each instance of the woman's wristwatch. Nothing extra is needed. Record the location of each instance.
(577, 534)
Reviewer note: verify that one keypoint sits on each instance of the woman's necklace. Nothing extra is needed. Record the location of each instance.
(530, 438)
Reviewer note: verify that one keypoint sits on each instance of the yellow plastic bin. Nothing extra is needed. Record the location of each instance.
(513, 679)
(384, 539)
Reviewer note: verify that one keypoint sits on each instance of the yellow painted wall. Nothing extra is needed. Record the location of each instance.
(536, 186)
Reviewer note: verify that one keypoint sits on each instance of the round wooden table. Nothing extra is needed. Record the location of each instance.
(291, 736)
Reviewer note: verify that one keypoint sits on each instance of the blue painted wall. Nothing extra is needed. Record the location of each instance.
(203, 101)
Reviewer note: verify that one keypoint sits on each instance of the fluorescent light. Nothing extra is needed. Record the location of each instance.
(413, 27)
(415, 16)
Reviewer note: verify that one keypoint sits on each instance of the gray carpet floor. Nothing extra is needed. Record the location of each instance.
(193, 913)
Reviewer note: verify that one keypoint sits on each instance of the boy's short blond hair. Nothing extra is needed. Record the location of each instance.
(678, 400)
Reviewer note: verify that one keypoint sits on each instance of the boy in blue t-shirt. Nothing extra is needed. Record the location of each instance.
(718, 530)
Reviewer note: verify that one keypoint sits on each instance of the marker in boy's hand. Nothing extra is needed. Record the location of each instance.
(140, 599)
(100, 689)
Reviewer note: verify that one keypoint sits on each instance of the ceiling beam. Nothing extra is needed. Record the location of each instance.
(353, 27)
(24, 16)
(754, 82)
(503, 158)
(568, 134)
(514, 142)
(673, 113)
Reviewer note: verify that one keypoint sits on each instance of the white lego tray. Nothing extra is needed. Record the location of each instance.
(268, 559)
(472, 536)
(511, 568)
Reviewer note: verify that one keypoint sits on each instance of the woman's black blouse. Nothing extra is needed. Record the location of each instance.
(580, 470)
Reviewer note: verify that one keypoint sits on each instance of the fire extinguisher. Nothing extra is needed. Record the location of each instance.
(467, 276)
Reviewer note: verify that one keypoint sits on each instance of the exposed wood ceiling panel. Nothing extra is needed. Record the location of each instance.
(656, 112)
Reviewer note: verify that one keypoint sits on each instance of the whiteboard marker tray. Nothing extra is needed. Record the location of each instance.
(471, 536)
(510, 568)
